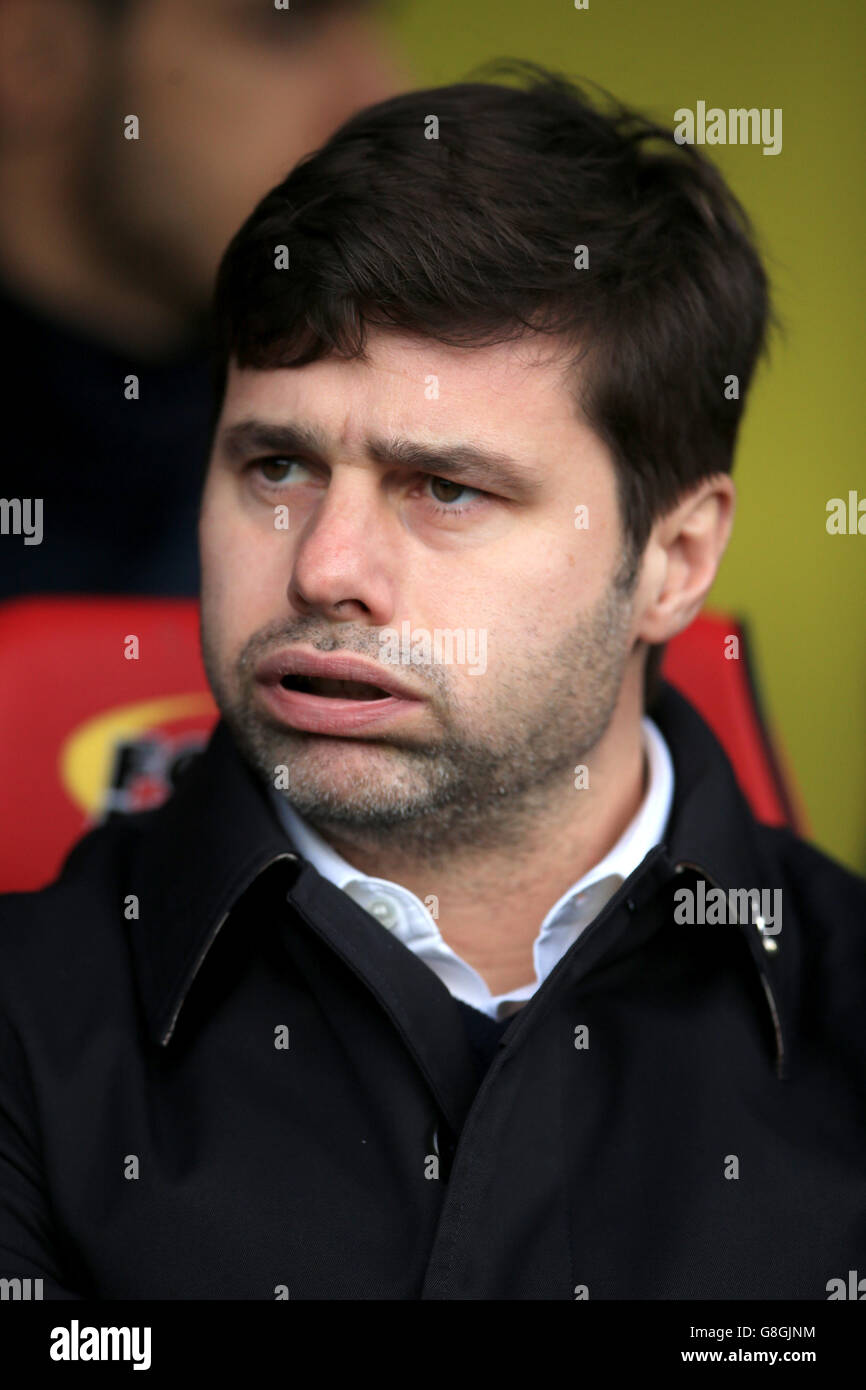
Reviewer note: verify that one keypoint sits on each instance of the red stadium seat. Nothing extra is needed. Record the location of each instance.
(103, 700)
(711, 664)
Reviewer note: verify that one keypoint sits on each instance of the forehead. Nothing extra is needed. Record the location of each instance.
(511, 390)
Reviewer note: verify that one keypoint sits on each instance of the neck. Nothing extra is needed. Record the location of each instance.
(491, 901)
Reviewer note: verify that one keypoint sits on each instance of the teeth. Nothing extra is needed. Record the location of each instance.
(324, 685)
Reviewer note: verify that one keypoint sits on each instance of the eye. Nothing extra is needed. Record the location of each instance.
(275, 469)
(448, 497)
(448, 487)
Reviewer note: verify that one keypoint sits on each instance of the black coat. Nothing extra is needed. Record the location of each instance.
(156, 1143)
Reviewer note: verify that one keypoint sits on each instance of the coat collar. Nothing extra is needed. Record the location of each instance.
(200, 852)
(203, 849)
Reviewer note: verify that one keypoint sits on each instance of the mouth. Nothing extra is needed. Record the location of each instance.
(328, 688)
(333, 705)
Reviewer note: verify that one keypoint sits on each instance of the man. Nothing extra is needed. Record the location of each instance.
(135, 135)
(413, 989)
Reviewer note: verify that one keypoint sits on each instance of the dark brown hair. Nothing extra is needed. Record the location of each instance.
(470, 239)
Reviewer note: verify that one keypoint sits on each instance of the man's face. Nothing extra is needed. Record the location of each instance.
(229, 94)
(326, 550)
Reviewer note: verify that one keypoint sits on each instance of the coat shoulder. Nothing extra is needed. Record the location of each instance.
(824, 904)
(72, 915)
(817, 878)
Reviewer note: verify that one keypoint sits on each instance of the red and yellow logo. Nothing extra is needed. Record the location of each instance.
(127, 758)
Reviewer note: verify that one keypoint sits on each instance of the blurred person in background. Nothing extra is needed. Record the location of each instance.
(109, 245)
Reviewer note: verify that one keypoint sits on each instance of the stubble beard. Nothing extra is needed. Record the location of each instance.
(431, 798)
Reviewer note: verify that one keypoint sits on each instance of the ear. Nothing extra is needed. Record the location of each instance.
(682, 557)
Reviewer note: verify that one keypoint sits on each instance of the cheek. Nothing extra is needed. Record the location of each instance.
(228, 561)
(211, 540)
(246, 570)
(534, 601)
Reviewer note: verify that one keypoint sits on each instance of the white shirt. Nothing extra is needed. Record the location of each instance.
(401, 912)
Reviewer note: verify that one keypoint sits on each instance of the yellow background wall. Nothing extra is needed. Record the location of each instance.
(802, 591)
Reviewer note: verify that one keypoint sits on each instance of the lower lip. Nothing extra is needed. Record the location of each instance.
(322, 714)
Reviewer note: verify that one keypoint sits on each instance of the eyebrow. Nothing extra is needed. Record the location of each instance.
(458, 461)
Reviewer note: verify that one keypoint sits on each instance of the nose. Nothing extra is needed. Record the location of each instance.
(340, 568)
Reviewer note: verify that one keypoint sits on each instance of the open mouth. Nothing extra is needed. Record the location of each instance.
(335, 689)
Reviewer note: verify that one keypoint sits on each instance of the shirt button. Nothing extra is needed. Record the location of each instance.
(384, 911)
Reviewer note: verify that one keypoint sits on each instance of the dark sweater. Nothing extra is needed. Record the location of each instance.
(483, 1033)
